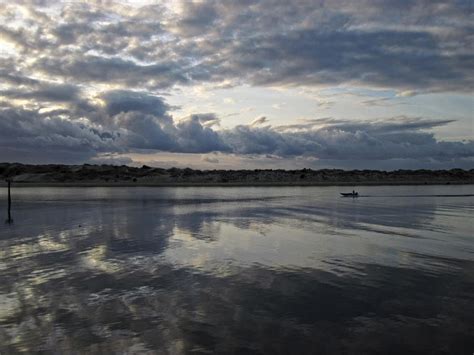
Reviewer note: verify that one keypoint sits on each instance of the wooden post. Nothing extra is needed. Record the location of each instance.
(9, 220)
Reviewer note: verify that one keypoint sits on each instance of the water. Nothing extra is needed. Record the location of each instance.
(238, 270)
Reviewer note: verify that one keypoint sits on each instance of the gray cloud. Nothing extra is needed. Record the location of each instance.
(118, 70)
(210, 159)
(25, 135)
(396, 138)
(384, 59)
(111, 159)
(194, 137)
(9, 74)
(206, 119)
(147, 124)
(44, 92)
(258, 121)
(402, 45)
(197, 18)
(144, 131)
(418, 46)
(125, 101)
(132, 121)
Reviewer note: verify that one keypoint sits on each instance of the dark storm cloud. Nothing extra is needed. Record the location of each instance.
(25, 134)
(392, 44)
(109, 70)
(197, 18)
(194, 137)
(125, 101)
(132, 121)
(145, 124)
(385, 59)
(397, 138)
(44, 92)
(128, 121)
(395, 44)
(11, 76)
(70, 32)
(144, 131)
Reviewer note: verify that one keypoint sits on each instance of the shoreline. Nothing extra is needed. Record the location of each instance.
(87, 175)
(233, 184)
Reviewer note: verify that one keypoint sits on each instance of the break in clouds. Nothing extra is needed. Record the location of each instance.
(82, 80)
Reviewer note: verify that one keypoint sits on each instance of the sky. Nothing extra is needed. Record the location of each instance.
(241, 84)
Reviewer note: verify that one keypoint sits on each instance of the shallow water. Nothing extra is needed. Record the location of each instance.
(238, 270)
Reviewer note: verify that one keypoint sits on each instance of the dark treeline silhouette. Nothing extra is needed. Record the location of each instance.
(105, 174)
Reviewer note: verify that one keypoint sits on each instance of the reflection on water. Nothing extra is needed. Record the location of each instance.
(238, 270)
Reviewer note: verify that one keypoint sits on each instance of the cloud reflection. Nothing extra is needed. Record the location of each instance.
(164, 269)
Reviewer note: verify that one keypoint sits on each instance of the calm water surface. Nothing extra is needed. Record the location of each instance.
(238, 270)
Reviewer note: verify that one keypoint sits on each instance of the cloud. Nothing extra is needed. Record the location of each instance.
(144, 131)
(267, 42)
(27, 136)
(383, 101)
(10, 75)
(258, 121)
(193, 137)
(93, 68)
(131, 121)
(88, 75)
(210, 159)
(325, 104)
(381, 59)
(407, 93)
(111, 159)
(128, 121)
(206, 119)
(44, 92)
(196, 17)
(118, 101)
(396, 138)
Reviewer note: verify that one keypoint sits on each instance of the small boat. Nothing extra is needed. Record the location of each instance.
(350, 194)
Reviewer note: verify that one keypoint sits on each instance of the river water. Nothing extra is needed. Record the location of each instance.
(270, 270)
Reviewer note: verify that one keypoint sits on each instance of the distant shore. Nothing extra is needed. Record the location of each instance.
(86, 175)
(233, 184)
